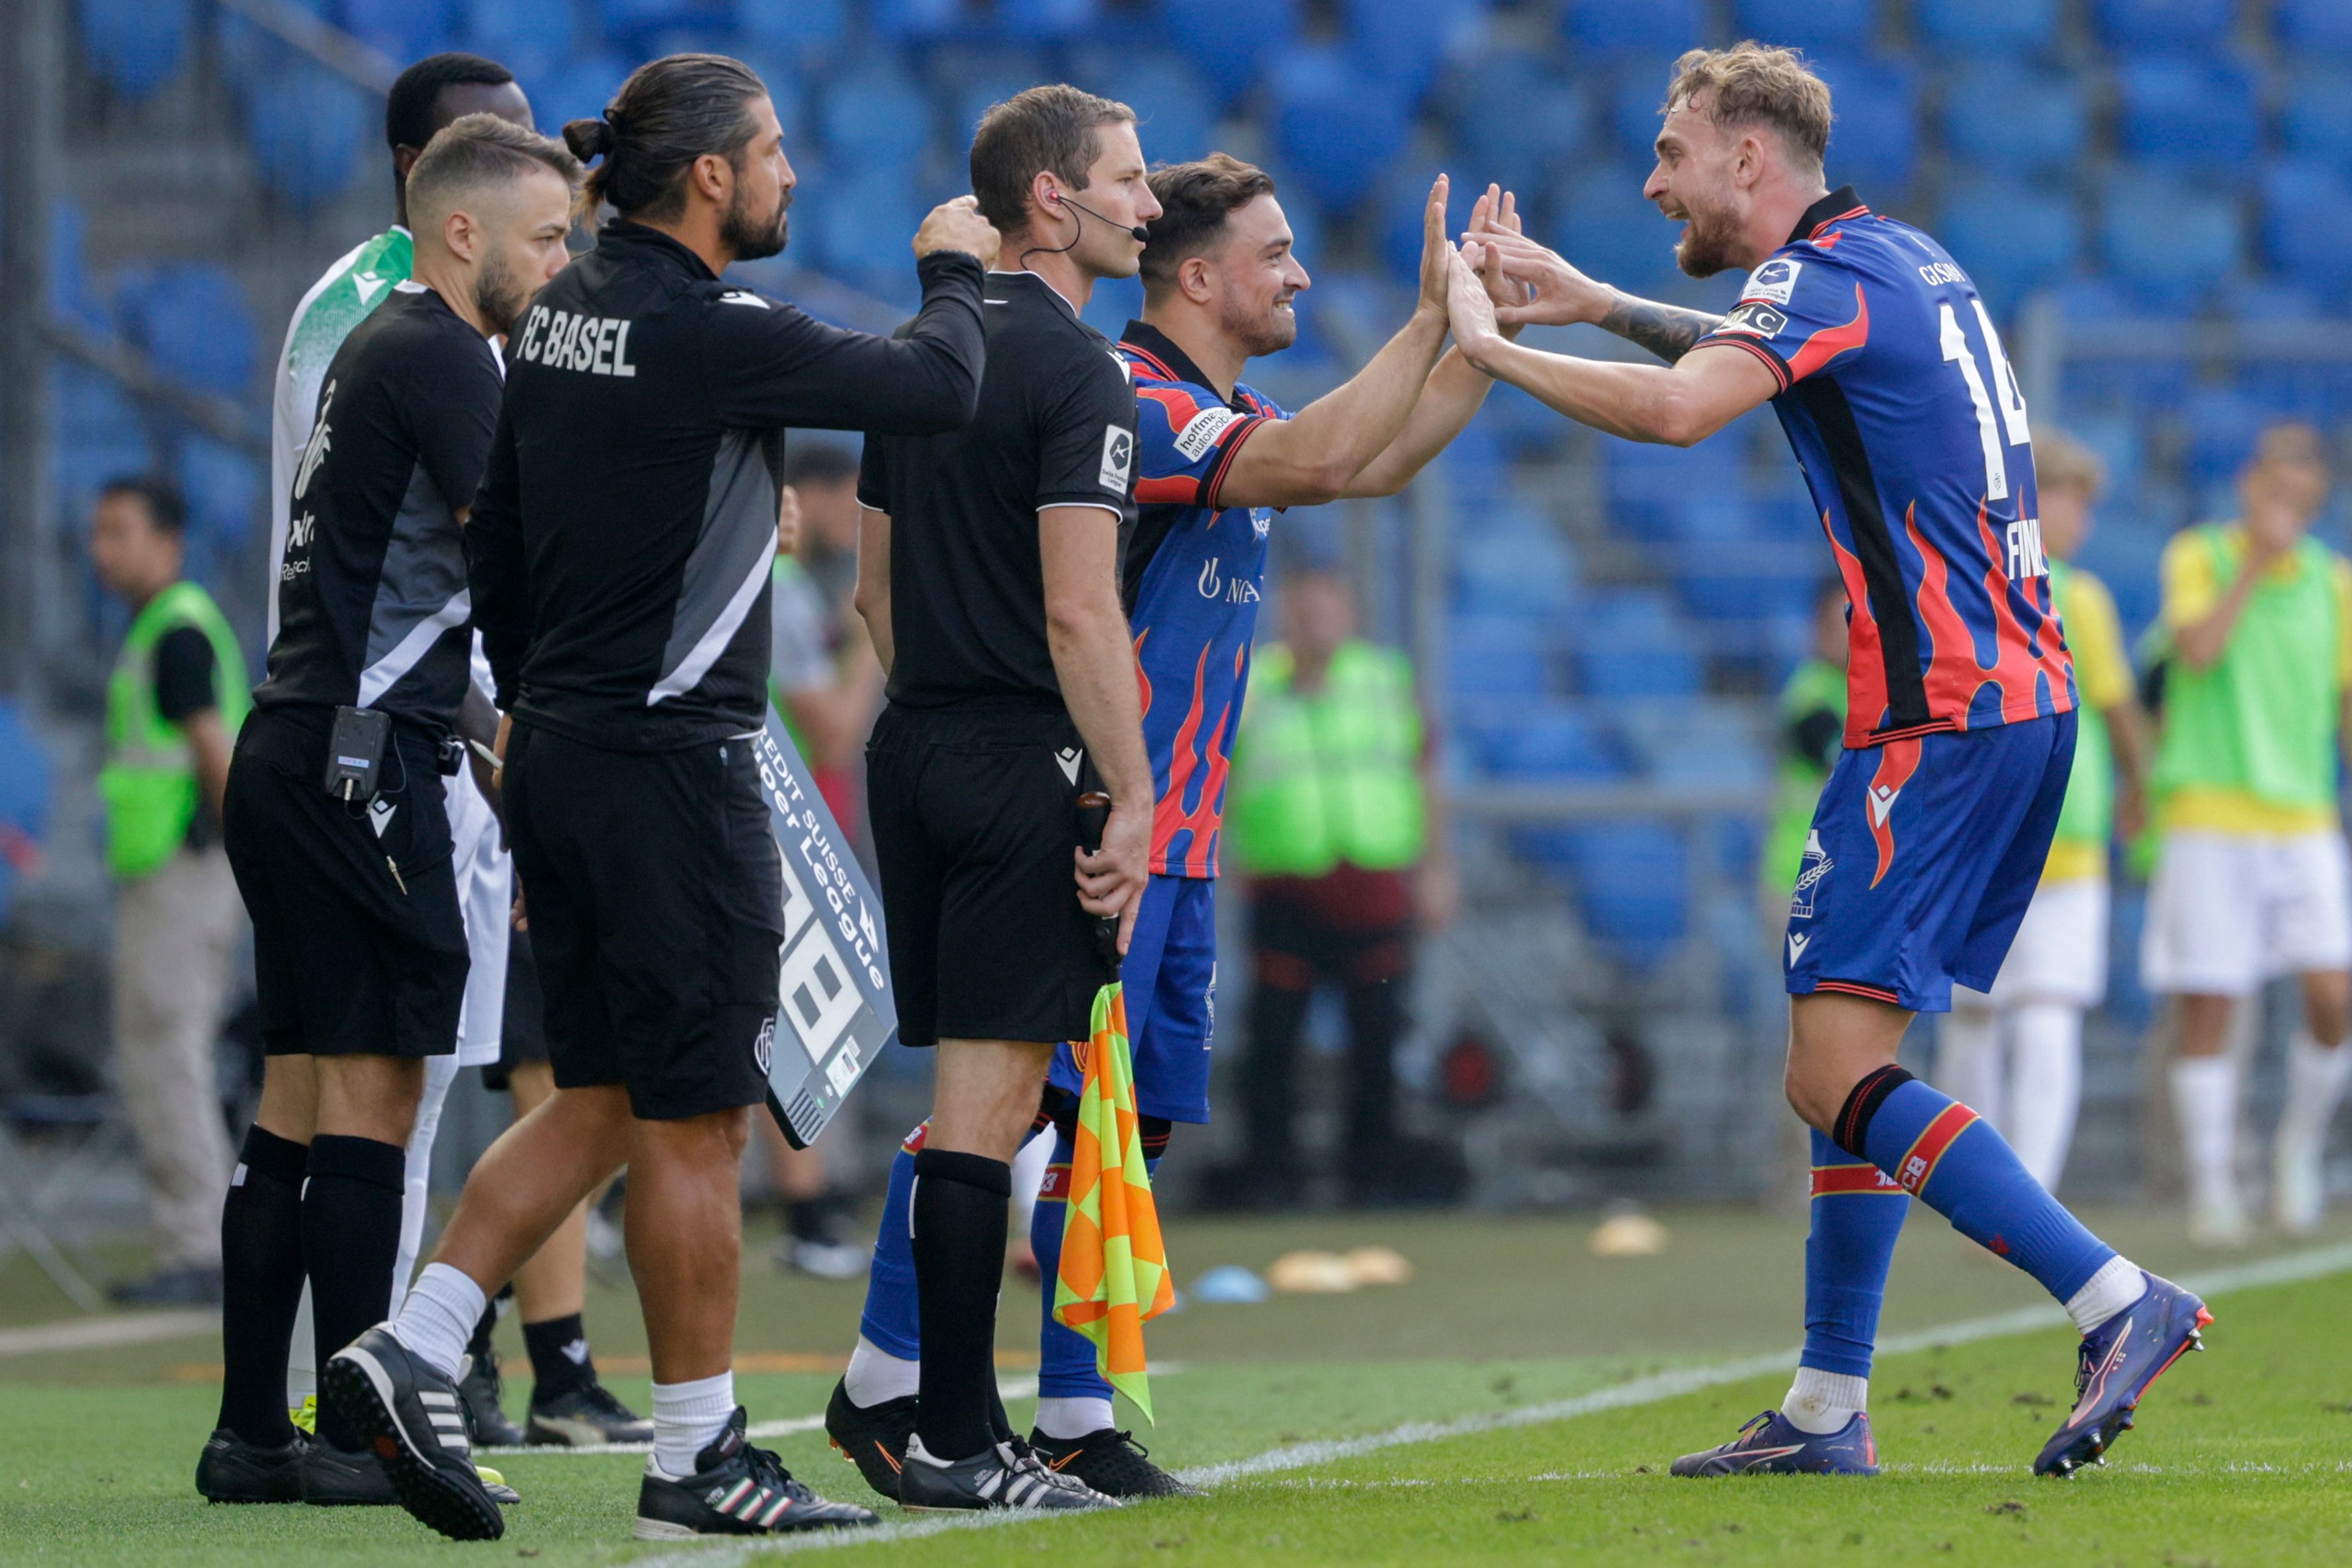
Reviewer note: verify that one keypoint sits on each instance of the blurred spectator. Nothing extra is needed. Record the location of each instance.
(1335, 820)
(1812, 733)
(172, 707)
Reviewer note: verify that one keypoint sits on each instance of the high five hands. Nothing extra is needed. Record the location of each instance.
(1487, 301)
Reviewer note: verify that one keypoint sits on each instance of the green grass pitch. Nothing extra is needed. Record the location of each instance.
(2241, 1458)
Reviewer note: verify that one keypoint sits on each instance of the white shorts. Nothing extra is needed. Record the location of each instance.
(2061, 951)
(2229, 912)
(485, 899)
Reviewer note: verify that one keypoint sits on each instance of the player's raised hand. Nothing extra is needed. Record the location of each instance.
(1559, 295)
(957, 226)
(1436, 252)
(1498, 211)
(1469, 311)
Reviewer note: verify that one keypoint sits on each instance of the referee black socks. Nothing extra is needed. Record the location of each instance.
(261, 1285)
(960, 1205)
(350, 1240)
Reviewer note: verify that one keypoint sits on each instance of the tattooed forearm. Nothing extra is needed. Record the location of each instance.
(1668, 331)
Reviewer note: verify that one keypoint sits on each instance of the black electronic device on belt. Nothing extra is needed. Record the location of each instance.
(355, 753)
(1094, 816)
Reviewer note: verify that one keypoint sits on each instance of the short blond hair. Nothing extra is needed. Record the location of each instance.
(1756, 84)
(2062, 463)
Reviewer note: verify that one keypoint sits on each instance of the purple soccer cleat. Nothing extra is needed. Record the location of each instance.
(1769, 1446)
(2117, 1361)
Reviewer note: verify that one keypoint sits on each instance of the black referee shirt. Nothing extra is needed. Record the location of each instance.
(622, 540)
(1055, 428)
(373, 598)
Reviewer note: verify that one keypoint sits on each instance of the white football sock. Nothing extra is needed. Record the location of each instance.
(2205, 1098)
(687, 1417)
(2116, 1285)
(438, 1318)
(1068, 1419)
(876, 1375)
(2315, 1086)
(440, 1072)
(2045, 1086)
(1028, 1177)
(1969, 1057)
(1821, 1402)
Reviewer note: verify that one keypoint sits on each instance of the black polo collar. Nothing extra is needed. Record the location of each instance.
(1840, 202)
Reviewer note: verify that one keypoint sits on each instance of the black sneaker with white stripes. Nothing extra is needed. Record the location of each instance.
(231, 1469)
(736, 1489)
(1006, 1475)
(412, 1416)
(1112, 1462)
(584, 1417)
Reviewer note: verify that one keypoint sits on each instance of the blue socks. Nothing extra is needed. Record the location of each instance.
(1857, 1214)
(1948, 1155)
(893, 1317)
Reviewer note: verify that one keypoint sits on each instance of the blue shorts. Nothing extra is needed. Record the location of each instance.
(1171, 979)
(1923, 856)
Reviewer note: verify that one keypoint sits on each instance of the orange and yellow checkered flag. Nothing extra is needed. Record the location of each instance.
(1114, 1274)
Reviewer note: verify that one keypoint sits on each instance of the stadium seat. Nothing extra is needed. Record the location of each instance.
(1649, 28)
(1176, 112)
(2011, 238)
(1528, 571)
(1337, 128)
(972, 84)
(2222, 423)
(802, 29)
(1404, 42)
(2168, 242)
(1632, 644)
(529, 37)
(2180, 26)
(2005, 29)
(1046, 19)
(1229, 41)
(2186, 114)
(631, 20)
(909, 21)
(2000, 119)
(226, 491)
(875, 118)
(1633, 887)
(306, 128)
(1874, 143)
(403, 30)
(862, 227)
(1834, 26)
(1520, 120)
(1550, 742)
(2320, 26)
(1602, 224)
(135, 46)
(2316, 120)
(577, 90)
(193, 321)
(2307, 224)
(24, 797)
(1501, 659)
(1743, 581)
(1636, 88)
(71, 296)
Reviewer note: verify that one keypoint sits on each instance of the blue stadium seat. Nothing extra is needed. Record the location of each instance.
(1633, 887)
(1649, 27)
(1839, 26)
(1229, 41)
(1528, 572)
(195, 323)
(529, 37)
(1046, 19)
(577, 90)
(909, 21)
(2186, 114)
(1337, 128)
(637, 19)
(1177, 112)
(224, 488)
(2003, 28)
(1743, 583)
(875, 118)
(973, 85)
(1632, 644)
(135, 46)
(2325, 26)
(1405, 41)
(862, 229)
(1501, 659)
(24, 799)
(404, 30)
(1636, 88)
(803, 29)
(2172, 25)
(71, 296)
(1549, 740)
(2011, 238)
(2315, 120)
(306, 127)
(2223, 424)
(1875, 141)
(2307, 224)
(1605, 225)
(2169, 242)
(2002, 119)
(1520, 120)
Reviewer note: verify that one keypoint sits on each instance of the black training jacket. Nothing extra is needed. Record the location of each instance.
(620, 547)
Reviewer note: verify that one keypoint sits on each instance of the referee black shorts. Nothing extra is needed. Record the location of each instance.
(350, 957)
(975, 821)
(654, 896)
(522, 1026)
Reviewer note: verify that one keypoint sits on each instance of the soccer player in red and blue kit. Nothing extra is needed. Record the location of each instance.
(1871, 345)
(1214, 459)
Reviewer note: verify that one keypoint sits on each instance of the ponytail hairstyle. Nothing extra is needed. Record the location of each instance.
(668, 113)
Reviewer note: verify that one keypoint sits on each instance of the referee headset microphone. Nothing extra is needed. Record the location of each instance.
(1142, 235)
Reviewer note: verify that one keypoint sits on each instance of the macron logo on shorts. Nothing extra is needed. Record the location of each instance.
(1070, 757)
(1797, 945)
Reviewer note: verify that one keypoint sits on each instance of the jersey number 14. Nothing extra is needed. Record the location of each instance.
(2012, 420)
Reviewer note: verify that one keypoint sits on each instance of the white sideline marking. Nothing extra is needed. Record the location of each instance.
(1017, 1388)
(106, 1333)
(2315, 1264)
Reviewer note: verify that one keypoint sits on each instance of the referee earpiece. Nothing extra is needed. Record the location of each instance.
(1142, 235)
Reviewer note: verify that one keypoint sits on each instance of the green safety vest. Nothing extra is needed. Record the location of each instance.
(2261, 720)
(149, 782)
(2089, 814)
(1332, 776)
(1814, 685)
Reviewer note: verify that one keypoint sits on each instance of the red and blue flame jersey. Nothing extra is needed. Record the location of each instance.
(1194, 575)
(1906, 417)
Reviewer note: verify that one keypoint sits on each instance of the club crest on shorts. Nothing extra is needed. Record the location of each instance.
(1816, 865)
(763, 1045)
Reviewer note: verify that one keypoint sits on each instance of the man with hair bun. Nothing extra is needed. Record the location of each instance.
(334, 815)
(620, 559)
(1873, 347)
